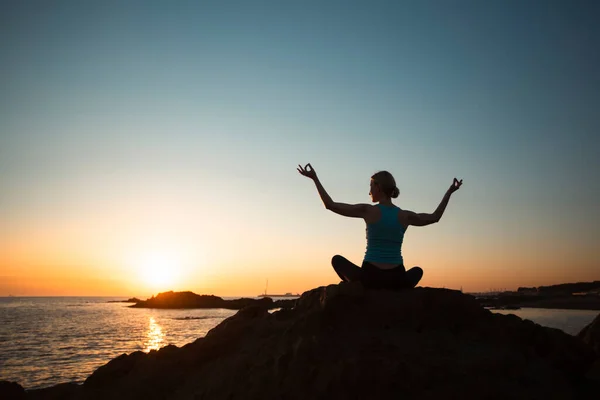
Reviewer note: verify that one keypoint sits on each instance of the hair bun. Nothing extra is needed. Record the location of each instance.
(395, 192)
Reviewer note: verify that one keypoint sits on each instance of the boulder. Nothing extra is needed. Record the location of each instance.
(342, 341)
(591, 334)
(62, 391)
(11, 391)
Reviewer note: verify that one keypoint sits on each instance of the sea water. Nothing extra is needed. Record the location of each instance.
(49, 340)
(569, 321)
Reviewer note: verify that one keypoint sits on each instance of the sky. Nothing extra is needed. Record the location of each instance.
(151, 146)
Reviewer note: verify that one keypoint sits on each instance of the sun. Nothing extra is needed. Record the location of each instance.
(159, 271)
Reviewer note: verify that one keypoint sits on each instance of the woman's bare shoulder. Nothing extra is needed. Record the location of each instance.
(404, 217)
(373, 213)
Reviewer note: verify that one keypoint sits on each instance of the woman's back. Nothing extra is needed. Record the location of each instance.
(385, 236)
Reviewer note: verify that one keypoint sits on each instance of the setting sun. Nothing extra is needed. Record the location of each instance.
(160, 271)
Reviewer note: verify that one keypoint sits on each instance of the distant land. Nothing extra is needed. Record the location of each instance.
(192, 300)
(565, 288)
(130, 300)
(572, 296)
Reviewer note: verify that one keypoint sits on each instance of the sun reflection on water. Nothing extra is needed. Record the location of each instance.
(155, 336)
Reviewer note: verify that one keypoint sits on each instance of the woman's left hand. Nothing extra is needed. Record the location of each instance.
(455, 186)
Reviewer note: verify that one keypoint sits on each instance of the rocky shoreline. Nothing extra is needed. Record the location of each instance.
(179, 300)
(342, 341)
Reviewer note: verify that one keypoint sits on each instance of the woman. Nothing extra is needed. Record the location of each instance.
(382, 267)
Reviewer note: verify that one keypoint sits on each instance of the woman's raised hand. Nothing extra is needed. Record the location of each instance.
(455, 185)
(308, 171)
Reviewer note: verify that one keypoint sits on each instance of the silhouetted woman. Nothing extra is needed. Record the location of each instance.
(382, 267)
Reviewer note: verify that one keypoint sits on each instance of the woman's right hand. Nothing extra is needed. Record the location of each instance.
(308, 171)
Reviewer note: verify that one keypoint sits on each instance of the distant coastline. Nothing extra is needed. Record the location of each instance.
(573, 302)
(567, 296)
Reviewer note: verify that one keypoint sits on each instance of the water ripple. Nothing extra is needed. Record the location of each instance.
(45, 341)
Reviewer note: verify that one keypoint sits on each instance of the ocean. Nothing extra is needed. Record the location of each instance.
(49, 340)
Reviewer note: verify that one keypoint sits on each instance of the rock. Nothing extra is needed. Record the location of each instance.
(129, 300)
(11, 391)
(342, 341)
(63, 391)
(594, 372)
(591, 334)
(192, 300)
(284, 303)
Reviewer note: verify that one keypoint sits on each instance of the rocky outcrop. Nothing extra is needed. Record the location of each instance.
(591, 334)
(129, 300)
(12, 391)
(63, 391)
(341, 341)
(192, 300)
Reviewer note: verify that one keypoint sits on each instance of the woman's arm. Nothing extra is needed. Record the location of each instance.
(415, 219)
(347, 210)
(327, 201)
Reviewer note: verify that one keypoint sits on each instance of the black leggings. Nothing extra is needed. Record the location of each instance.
(373, 277)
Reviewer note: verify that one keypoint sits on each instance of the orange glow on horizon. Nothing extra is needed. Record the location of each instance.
(63, 264)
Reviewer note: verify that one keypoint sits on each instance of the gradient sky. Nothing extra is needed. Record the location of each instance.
(140, 135)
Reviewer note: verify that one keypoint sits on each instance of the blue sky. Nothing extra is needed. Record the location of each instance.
(195, 114)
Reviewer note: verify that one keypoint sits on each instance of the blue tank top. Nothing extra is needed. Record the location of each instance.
(384, 237)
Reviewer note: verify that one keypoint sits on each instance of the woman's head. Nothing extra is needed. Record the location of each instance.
(383, 185)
